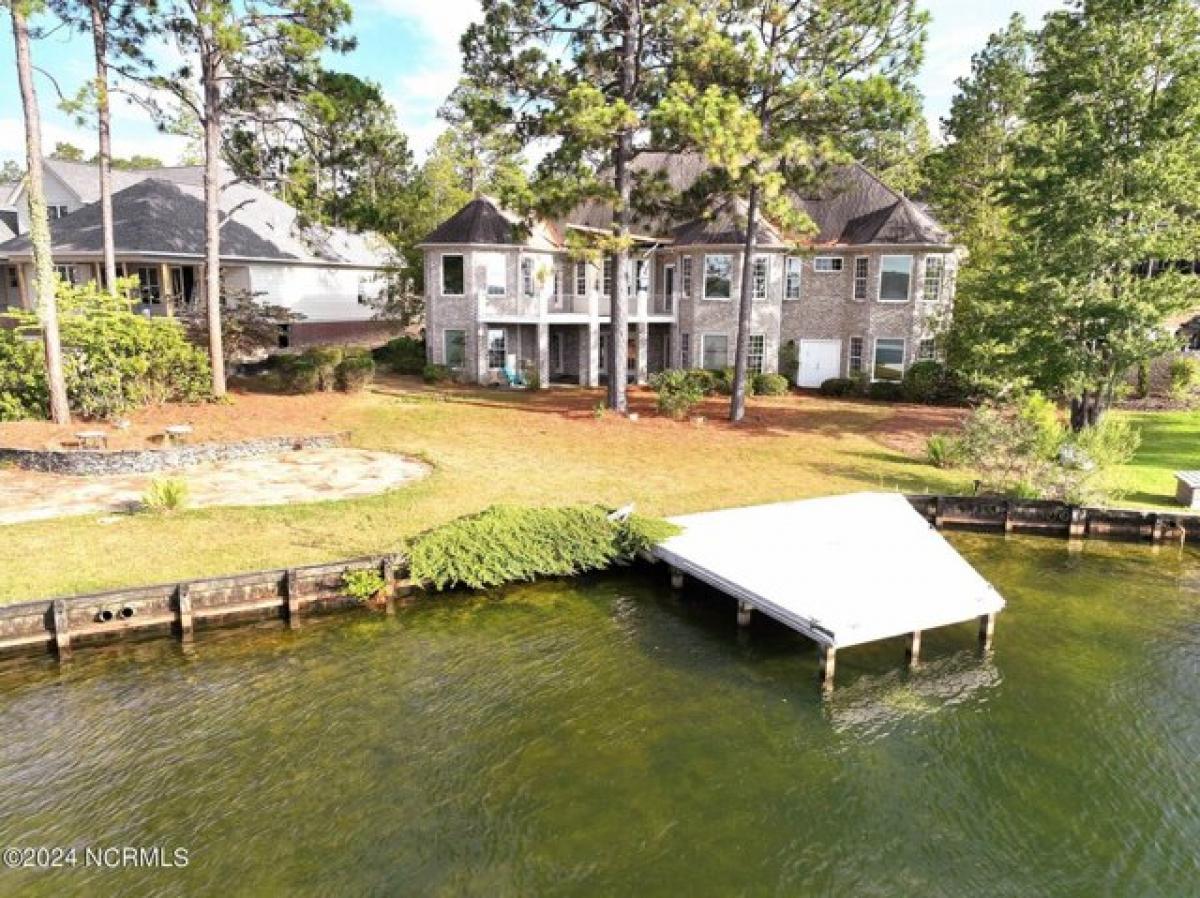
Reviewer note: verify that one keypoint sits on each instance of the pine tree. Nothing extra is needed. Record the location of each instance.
(39, 220)
(769, 91)
(580, 79)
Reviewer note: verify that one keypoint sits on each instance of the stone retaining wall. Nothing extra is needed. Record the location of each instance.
(95, 462)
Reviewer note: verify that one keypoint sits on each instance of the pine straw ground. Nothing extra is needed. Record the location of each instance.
(486, 446)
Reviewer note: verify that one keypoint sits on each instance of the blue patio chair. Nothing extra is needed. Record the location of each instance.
(513, 377)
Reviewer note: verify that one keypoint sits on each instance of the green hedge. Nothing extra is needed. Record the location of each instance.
(507, 544)
(404, 355)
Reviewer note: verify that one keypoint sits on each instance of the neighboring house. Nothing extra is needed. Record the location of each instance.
(869, 293)
(330, 276)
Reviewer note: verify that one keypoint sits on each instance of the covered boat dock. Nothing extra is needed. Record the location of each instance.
(842, 570)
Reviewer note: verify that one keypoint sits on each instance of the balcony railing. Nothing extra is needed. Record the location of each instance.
(532, 307)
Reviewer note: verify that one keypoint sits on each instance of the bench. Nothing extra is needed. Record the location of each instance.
(176, 433)
(92, 439)
(1187, 485)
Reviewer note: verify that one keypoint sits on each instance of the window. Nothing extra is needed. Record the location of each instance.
(791, 288)
(607, 278)
(640, 269)
(581, 278)
(56, 212)
(828, 264)
(895, 273)
(935, 272)
(454, 345)
(557, 282)
(761, 272)
(603, 365)
(754, 357)
(66, 272)
(862, 267)
(718, 277)
(527, 276)
(496, 348)
(149, 285)
(685, 275)
(685, 351)
(889, 359)
(927, 350)
(494, 272)
(714, 351)
(453, 280)
(854, 362)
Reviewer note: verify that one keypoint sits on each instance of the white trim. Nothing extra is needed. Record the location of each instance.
(442, 257)
(762, 362)
(787, 262)
(866, 280)
(879, 280)
(839, 270)
(941, 278)
(703, 353)
(704, 278)
(766, 260)
(861, 354)
(903, 357)
(446, 331)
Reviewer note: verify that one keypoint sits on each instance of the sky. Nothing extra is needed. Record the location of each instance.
(410, 47)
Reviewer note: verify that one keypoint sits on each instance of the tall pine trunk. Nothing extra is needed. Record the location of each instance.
(210, 64)
(737, 399)
(100, 43)
(618, 344)
(39, 224)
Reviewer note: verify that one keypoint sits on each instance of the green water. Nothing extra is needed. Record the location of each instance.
(604, 738)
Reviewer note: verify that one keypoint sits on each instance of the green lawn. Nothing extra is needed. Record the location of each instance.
(545, 448)
(490, 446)
(1170, 443)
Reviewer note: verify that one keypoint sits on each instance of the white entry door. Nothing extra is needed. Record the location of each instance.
(819, 361)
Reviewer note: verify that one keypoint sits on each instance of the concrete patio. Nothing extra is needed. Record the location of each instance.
(306, 475)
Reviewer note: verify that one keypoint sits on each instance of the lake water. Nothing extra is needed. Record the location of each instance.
(604, 738)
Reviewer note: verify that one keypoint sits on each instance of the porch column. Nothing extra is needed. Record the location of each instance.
(593, 353)
(643, 342)
(481, 368)
(543, 354)
(23, 295)
(166, 289)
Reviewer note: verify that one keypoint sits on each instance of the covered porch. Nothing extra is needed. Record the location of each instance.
(575, 353)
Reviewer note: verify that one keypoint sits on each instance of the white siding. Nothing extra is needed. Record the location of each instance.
(57, 194)
(319, 294)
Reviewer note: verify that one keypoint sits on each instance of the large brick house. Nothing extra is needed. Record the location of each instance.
(869, 292)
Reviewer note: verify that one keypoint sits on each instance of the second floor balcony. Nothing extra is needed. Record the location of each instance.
(643, 304)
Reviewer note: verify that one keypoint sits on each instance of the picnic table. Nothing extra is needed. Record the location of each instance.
(177, 433)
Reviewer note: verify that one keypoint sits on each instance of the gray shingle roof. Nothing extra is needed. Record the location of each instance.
(852, 207)
(84, 177)
(482, 220)
(156, 217)
(725, 224)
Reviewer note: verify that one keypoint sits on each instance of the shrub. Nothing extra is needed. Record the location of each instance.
(355, 371)
(942, 451)
(705, 381)
(722, 381)
(436, 374)
(166, 494)
(325, 359)
(1143, 379)
(113, 360)
(678, 392)
(885, 391)
(404, 355)
(299, 374)
(599, 410)
(837, 386)
(506, 544)
(22, 378)
(249, 327)
(1026, 451)
(363, 585)
(932, 383)
(1184, 373)
(769, 385)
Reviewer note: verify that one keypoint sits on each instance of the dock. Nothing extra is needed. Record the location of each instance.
(841, 570)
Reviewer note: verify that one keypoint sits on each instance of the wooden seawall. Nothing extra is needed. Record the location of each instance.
(1038, 516)
(64, 624)
(182, 608)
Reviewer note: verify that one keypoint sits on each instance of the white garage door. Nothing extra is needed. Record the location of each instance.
(819, 361)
